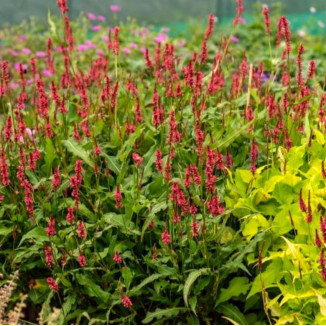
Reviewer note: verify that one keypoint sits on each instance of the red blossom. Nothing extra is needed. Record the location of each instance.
(137, 159)
(126, 302)
(53, 285)
(165, 236)
(117, 258)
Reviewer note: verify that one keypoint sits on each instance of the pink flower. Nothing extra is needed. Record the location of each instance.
(50, 230)
(81, 260)
(105, 38)
(143, 50)
(126, 51)
(47, 73)
(53, 285)
(144, 32)
(40, 54)
(17, 65)
(117, 258)
(133, 45)
(182, 43)
(82, 47)
(242, 21)
(234, 39)
(22, 37)
(100, 52)
(91, 16)
(81, 230)
(160, 38)
(96, 28)
(165, 236)
(97, 150)
(13, 85)
(30, 133)
(14, 53)
(118, 198)
(101, 18)
(137, 159)
(115, 8)
(26, 51)
(126, 302)
(56, 181)
(70, 216)
(90, 44)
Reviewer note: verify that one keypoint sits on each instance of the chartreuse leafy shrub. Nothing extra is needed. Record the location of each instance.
(143, 181)
(286, 202)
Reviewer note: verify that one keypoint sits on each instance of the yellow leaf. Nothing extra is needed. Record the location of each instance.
(322, 303)
(319, 137)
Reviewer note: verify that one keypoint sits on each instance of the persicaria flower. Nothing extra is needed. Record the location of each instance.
(165, 236)
(48, 256)
(302, 204)
(192, 172)
(236, 20)
(137, 159)
(118, 198)
(53, 285)
(194, 228)
(8, 128)
(4, 174)
(318, 242)
(81, 230)
(81, 260)
(126, 302)
(97, 150)
(283, 29)
(312, 69)
(176, 217)
(70, 216)
(151, 225)
(253, 156)
(322, 264)
(266, 19)
(158, 161)
(309, 213)
(210, 26)
(214, 206)
(56, 181)
(50, 230)
(62, 4)
(117, 258)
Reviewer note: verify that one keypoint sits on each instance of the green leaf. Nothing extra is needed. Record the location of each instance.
(76, 149)
(233, 313)
(38, 234)
(190, 280)
(50, 155)
(68, 303)
(6, 231)
(92, 289)
(230, 138)
(127, 276)
(239, 285)
(51, 24)
(146, 281)
(162, 313)
(113, 163)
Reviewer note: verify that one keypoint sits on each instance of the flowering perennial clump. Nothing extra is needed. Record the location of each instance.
(182, 180)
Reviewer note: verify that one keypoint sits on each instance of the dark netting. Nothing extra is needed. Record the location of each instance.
(168, 12)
